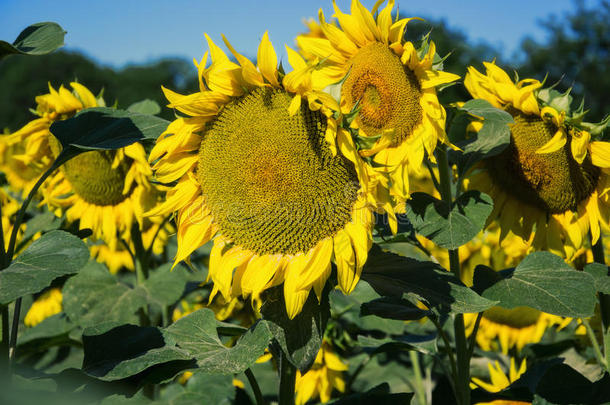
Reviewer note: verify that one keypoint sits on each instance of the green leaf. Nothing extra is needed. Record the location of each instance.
(422, 343)
(106, 128)
(490, 141)
(599, 272)
(44, 222)
(393, 308)
(95, 296)
(379, 395)
(300, 338)
(447, 227)
(37, 39)
(55, 254)
(127, 350)
(147, 106)
(545, 282)
(347, 309)
(56, 325)
(396, 276)
(196, 334)
(165, 286)
(202, 388)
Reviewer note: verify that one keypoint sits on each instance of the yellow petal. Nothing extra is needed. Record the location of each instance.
(579, 143)
(267, 60)
(600, 153)
(86, 97)
(555, 143)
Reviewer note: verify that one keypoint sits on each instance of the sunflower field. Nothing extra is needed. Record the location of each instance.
(323, 229)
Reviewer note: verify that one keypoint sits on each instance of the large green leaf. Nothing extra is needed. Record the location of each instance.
(95, 296)
(37, 39)
(545, 282)
(165, 286)
(393, 308)
(106, 128)
(55, 254)
(44, 222)
(396, 276)
(300, 338)
(346, 308)
(127, 350)
(599, 272)
(490, 141)
(449, 227)
(379, 395)
(196, 334)
(145, 107)
(201, 388)
(191, 342)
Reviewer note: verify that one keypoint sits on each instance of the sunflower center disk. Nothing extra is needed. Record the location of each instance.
(270, 179)
(92, 176)
(520, 317)
(388, 92)
(554, 182)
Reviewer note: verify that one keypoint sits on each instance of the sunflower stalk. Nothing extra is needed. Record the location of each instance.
(462, 378)
(255, 387)
(8, 257)
(420, 392)
(288, 374)
(604, 301)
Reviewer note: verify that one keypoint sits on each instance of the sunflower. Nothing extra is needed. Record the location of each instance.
(10, 206)
(325, 375)
(550, 185)
(499, 379)
(390, 82)
(107, 191)
(253, 171)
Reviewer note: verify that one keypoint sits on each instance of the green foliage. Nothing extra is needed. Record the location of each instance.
(379, 395)
(491, 139)
(95, 296)
(396, 276)
(37, 39)
(545, 282)
(449, 227)
(147, 106)
(299, 338)
(55, 254)
(106, 128)
(599, 272)
(201, 388)
(191, 342)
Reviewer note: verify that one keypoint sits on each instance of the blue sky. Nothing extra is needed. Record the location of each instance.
(116, 33)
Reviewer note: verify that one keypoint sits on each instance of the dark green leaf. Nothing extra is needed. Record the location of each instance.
(599, 272)
(422, 343)
(490, 141)
(37, 39)
(106, 128)
(95, 296)
(545, 282)
(347, 309)
(147, 106)
(396, 276)
(447, 227)
(196, 334)
(300, 338)
(55, 254)
(561, 384)
(125, 351)
(393, 308)
(379, 395)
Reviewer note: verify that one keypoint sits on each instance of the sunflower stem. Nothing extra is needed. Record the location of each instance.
(462, 382)
(5, 339)
(604, 300)
(255, 388)
(420, 392)
(288, 374)
(596, 349)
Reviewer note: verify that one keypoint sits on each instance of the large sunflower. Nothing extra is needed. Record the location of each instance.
(253, 171)
(107, 191)
(550, 185)
(390, 82)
